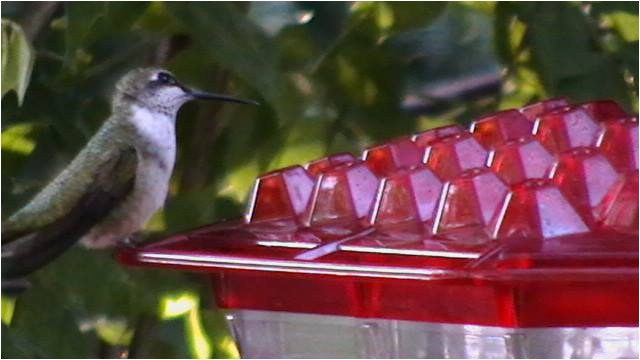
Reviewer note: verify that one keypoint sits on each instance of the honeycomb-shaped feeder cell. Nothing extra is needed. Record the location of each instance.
(520, 160)
(532, 111)
(537, 209)
(470, 202)
(281, 194)
(452, 155)
(318, 166)
(585, 176)
(342, 193)
(619, 142)
(552, 170)
(395, 155)
(603, 110)
(618, 210)
(426, 138)
(501, 127)
(566, 129)
(408, 196)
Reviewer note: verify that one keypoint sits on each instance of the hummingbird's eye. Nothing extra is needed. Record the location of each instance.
(166, 79)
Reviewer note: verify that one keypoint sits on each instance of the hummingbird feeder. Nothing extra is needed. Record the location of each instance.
(516, 238)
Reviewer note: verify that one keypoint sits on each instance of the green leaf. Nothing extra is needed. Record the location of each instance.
(122, 15)
(273, 16)
(626, 24)
(314, 31)
(17, 59)
(81, 17)
(14, 347)
(570, 64)
(48, 328)
(90, 23)
(410, 15)
(198, 208)
(157, 19)
(629, 55)
(240, 46)
(8, 307)
(216, 327)
(17, 139)
(123, 292)
(161, 339)
(298, 147)
(623, 16)
(508, 32)
(114, 331)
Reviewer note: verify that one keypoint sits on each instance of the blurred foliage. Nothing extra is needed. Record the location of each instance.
(332, 77)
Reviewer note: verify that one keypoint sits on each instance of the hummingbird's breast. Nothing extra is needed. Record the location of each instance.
(155, 143)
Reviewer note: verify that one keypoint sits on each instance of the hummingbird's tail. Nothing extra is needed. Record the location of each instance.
(31, 252)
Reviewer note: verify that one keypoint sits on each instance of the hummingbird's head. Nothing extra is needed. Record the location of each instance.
(158, 90)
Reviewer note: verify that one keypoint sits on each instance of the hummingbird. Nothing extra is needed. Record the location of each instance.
(115, 183)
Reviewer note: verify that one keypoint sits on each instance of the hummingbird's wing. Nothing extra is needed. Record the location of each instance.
(32, 247)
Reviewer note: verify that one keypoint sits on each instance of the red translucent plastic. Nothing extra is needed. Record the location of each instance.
(501, 127)
(409, 196)
(534, 110)
(392, 156)
(319, 166)
(522, 159)
(471, 201)
(603, 110)
(280, 195)
(537, 209)
(567, 129)
(619, 142)
(426, 138)
(532, 240)
(343, 193)
(452, 155)
(585, 177)
(618, 210)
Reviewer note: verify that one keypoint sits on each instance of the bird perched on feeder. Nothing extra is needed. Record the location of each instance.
(114, 185)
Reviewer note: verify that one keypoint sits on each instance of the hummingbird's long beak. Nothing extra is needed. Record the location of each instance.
(219, 97)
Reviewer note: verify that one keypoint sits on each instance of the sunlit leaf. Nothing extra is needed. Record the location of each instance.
(239, 181)
(622, 15)
(8, 307)
(186, 305)
(17, 139)
(487, 7)
(215, 325)
(199, 341)
(626, 24)
(17, 59)
(176, 305)
(112, 331)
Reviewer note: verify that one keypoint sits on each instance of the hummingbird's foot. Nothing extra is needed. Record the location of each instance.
(132, 241)
(13, 287)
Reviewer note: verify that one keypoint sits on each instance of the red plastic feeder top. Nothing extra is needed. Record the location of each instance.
(529, 219)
